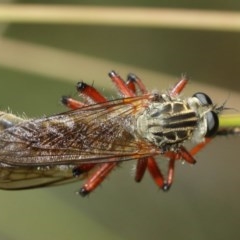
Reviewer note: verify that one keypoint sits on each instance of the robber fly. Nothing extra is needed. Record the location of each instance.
(97, 134)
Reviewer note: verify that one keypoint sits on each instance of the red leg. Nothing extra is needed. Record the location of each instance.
(96, 179)
(90, 92)
(80, 169)
(186, 155)
(155, 172)
(132, 78)
(199, 146)
(141, 167)
(121, 85)
(72, 103)
(86, 91)
(130, 83)
(157, 175)
(179, 86)
(182, 154)
(173, 156)
(170, 174)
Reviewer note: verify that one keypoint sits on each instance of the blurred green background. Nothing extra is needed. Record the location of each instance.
(39, 63)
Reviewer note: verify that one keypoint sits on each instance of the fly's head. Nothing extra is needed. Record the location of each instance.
(168, 122)
(207, 114)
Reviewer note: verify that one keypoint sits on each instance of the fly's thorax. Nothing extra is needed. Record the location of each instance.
(167, 123)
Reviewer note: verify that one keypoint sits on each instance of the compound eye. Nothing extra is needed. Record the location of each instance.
(203, 98)
(212, 124)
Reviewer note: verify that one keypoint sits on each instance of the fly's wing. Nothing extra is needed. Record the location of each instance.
(13, 178)
(96, 133)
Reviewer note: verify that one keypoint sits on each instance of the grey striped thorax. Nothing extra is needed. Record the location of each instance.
(170, 121)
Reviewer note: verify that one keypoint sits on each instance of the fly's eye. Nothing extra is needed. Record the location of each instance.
(203, 98)
(212, 123)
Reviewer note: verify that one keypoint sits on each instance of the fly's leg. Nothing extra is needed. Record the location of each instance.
(155, 172)
(72, 103)
(184, 154)
(131, 84)
(228, 131)
(83, 168)
(178, 87)
(97, 178)
(170, 174)
(133, 81)
(86, 91)
(90, 93)
(199, 146)
(122, 87)
(157, 175)
(141, 166)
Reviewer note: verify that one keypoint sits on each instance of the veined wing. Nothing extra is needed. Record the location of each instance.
(21, 177)
(96, 133)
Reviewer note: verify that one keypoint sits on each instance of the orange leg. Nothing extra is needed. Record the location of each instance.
(72, 103)
(182, 154)
(155, 172)
(82, 168)
(96, 179)
(121, 85)
(170, 174)
(141, 167)
(90, 92)
(138, 82)
(199, 146)
(179, 86)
